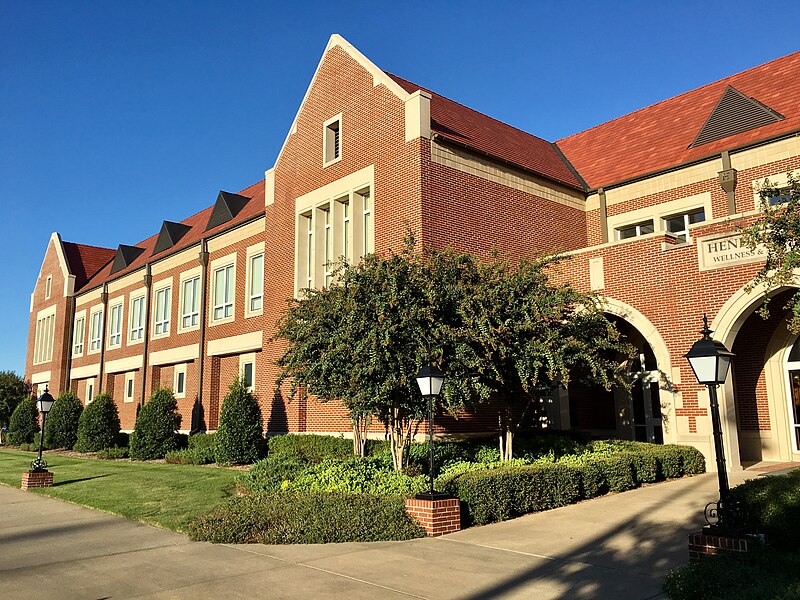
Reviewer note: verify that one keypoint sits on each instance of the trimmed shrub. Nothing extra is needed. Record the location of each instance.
(593, 480)
(202, 440)
(499, 494)
(355, 476)
(24, 423)
(239, 435)
(201, 455)
(311, 449)
(156, 425)
(98, 425)
(61, 426)
(269, 475)
(112, 453)
(694, 462)
(298, 518)
(670, 460)
(771, 505)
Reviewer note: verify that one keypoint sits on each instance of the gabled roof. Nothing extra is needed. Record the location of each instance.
(84, 261)
(661, 136)
(196, 231)
(226, 208)
(170, 234)
(467, 127)
(734, 113)
(124, 257)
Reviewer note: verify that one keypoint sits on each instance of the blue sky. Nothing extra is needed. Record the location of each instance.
(117, 115)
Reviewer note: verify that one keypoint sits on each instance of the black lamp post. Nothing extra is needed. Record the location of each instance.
(710, 361)
(429, 380)
(44, 404)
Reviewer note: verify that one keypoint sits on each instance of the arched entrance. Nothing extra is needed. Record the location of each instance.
(792, 373)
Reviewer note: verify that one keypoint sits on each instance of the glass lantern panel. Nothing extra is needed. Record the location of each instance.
(705, 369)
(722, 368)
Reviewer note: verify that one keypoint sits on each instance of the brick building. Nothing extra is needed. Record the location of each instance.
(647, 205)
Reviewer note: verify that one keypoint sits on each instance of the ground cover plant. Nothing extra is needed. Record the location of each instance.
(165, 495)
(768, 505)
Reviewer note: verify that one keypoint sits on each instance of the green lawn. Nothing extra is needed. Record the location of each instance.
(158, 494)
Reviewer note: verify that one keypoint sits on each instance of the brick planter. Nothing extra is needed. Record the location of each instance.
(37, 479)
(437, 516)
(708, 542)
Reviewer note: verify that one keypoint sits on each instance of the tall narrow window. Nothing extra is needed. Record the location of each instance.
(180, 381)
(137, 319)
(89, 390)
(96, 331)
(162, 312)
(347, 230)
(369, 235)
(77, 335)
(256, 282)
(115, 326)
(43, 344)
(129, 385)
(223, 292)
(327, 255)
(332, 148)
(191, 302)
(309, 245)
(48, 287)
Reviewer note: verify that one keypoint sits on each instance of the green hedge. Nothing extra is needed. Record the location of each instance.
(771, 505)
(156, 426)
(201, 455)
(24, 423)
(98, 426)
(300, 518)
(202, 440)
(61, 426)
(311, 449)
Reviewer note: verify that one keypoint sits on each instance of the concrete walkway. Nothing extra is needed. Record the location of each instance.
(618, 546)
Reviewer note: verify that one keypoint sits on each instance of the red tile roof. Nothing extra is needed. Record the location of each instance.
(659, 136)
(462, 125)
(84, 261)
(197, 222)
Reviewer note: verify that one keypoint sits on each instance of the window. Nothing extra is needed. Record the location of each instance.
(48, 287)
(332, 148)
(368, 237)
(327, 248)
(89, 390)
(247, 366)
(631, 231)
(115, 326)
(308, 259)
(679, 224)
(77, 334)
(96, 331)
(223, 292)
(191, 303)
(43, 344)
(129, 386)
(347, 229)
(180, 381)
(255, 282)
(137, 319)
(162, 313)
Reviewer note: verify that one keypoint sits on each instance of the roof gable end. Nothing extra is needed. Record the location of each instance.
(170, 234)
(124, 257)
(734, 113)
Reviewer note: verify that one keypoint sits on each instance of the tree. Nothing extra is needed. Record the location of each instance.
(13, 390)
(240, 433)
(777, 233)
(98, 426)
(61, 426)
(156, 425)
(24, 423)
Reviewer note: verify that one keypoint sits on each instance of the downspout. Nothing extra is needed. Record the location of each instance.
(148, 280)
(203, 259)
(601, 194)
(727, 181)
(104, 300)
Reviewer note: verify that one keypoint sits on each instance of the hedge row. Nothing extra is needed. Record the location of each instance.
(306, 518)
(489, 495)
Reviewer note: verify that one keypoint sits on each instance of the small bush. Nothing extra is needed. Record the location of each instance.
(24, 423)
(98, 426)
(694, 462)
(112, 453)
(617, 469)
(269, 474)
(311, 449)
(771, 505)
(61, 426)
(670, 460)
(239, 435)
(156, 425)
(498, 494)
(355, 476)
(202, 440)
(299, 518)
(201, 455)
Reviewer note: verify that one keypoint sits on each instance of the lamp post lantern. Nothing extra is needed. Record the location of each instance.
(710, 360)
(44, 404)
(429, 380)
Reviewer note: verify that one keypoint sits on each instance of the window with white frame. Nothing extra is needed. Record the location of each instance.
(78, 334)
(635, 230)
(137, 319)
(96, 331)
(327, 244)
(347, 229)
(247, 370)
(180, 381)
(679, 224)
(224, 281)
(89, 390)
(130, 379)
(307, 258)
(332, 148)
(115, 325)
(368, 235)
(48, 287)
(45, 329)
(190, 312)
(255, 282)
(162, 311)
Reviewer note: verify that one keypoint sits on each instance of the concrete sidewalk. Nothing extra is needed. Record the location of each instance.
(618, 546)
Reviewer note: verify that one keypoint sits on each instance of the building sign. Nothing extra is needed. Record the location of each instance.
(726, 250)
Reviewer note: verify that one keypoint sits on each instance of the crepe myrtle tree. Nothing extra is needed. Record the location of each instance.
(777, 233)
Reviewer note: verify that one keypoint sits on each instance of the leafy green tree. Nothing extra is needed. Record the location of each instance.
(98, 425)
(156, 425)
(777, 233)
(13, 390)
(61, 426)
(240, 435)
(24, 423)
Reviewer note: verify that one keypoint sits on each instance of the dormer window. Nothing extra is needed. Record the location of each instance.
(332, 146)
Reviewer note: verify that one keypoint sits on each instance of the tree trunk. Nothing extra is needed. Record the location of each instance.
(360, 426)
(400, 437)
(506, 433)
